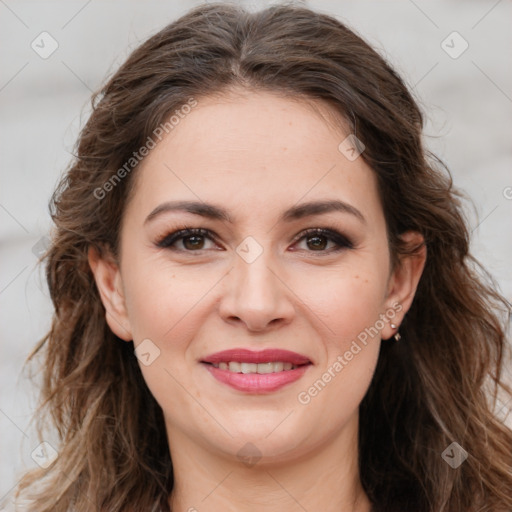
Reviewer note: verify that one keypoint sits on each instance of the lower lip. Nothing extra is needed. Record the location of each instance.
(256, 382)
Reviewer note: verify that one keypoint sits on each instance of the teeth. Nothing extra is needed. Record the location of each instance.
(235, 367)
(278, 367)
(265, 367)
(261, 368)
(247, 367)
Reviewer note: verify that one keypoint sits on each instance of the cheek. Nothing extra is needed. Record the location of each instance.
(161, 297)
(358, 302)
(351, 344)
(349, 307)
(164, 304)
(347, 300)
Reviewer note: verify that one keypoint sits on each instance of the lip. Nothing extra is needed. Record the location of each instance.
(256, 383)
(269, 355)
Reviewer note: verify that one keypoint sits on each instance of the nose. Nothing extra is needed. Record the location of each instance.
(256, 295)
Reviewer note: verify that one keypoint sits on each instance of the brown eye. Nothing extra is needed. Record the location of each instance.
(193, 242)
(318, 240)
(187, 240)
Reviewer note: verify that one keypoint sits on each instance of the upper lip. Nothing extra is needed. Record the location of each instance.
(243, 355)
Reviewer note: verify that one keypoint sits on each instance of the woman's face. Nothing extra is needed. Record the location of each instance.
(256, 172)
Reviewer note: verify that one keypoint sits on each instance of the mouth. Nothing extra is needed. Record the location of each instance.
(256, 372)
(260, 368)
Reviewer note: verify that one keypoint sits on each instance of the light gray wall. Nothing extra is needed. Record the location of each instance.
(468, 101)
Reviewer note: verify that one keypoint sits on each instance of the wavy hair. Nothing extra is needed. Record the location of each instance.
(438, 385)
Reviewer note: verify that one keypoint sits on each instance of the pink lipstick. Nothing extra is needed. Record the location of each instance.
(256, 371)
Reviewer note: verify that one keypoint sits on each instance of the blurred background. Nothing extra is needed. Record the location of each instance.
(455, 56)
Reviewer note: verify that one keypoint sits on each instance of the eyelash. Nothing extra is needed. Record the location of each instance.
(340, 240)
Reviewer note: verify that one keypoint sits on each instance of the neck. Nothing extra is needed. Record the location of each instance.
(325, 478)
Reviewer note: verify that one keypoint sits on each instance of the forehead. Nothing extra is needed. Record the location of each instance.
(254, 148)
(236, 125)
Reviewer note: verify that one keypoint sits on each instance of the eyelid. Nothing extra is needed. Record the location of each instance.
(341, 240)
(169, 239)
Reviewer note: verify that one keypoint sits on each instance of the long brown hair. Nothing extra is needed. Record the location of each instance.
(436, 386)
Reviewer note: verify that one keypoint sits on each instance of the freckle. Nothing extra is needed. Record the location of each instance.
(356, 277)
(366, 280)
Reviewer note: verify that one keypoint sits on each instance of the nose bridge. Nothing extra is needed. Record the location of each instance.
(254, 280)
(255, 294)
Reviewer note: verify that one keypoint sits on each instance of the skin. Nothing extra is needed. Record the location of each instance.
(257, 154)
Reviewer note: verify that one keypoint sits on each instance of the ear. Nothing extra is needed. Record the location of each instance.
(404, 280)
(108, 280)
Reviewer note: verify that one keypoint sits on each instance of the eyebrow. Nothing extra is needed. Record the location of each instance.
(294, 213)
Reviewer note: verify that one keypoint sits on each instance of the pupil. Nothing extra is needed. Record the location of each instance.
(193, 242)
(319, 242)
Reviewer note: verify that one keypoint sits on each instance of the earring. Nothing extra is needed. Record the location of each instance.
(397, 334)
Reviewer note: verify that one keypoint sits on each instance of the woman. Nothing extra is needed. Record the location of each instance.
(263, 294)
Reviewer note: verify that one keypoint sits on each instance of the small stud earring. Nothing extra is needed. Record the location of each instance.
(397, 334)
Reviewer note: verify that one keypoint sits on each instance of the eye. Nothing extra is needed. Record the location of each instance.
(318, 239)
(190, 239)
(196, 239)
